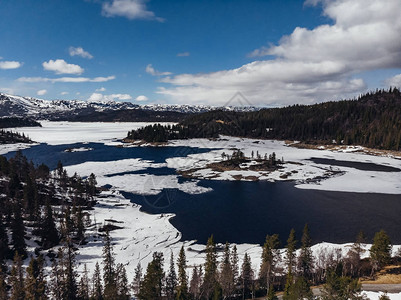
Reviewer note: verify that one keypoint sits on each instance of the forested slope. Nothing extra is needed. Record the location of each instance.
(372, 120)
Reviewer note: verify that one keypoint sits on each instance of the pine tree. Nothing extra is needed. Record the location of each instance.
(246, 277)
(35, 280)
(171, 280)
(235, 266)
(305, 260)
(70, 284)
(226, 274)
(109, 270)
(136, 283)
(122, 283)
(195, 283)
(152, 284)
(18, 232)
(210, 286)
(57, 277)
(83, 286)
(17, 279)
(270, 258)
(4, 250)
(290, 259)
(97, 288)
(380, 252)
(271, 293)
(182, 288)
(49, 233)
(79, 224)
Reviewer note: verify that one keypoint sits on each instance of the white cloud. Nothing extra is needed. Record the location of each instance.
(308, 65)
(65, 79)
(7, 90)
(79, 51)
(150, 70)
(130, 9)
(7, 65)
(102, 89)
(142, 98)
(64, 93)
(394, 81)
(183, 54)
(113, 97)
(41, 92)
(60, 66)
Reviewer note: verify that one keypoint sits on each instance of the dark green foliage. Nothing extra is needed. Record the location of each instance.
(305, 259)
(109, 269)
(271, 294)
(9, 137)
(182, 288)
(97, 287)
(290, 256)
(171, 280)
(136, 283)
(49, 234)
(152, 284)
(18, 232)
(35, 285)
(83, 287)
(210, 287)
(196, 283)
(122, 283)
(226, 274)
(374, 120)
(11, 122)
(299, 290)
(339, 287)
(246, 277)
(270, 258)
(17, 279)
(380, 252)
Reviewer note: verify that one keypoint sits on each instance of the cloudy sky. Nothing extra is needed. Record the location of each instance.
(273, 52)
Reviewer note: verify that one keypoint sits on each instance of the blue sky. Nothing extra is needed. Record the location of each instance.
(274, 52)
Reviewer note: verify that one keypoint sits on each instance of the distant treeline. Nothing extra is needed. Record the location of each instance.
(373, 120)
(10, 122)
(9, 137)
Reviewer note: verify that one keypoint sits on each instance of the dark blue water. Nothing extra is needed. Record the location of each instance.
(244, 212)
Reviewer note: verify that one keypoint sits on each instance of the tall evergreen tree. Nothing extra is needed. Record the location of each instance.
(152, 284)
(17, 279)
(210, 286)
(83, 286)
(290, 260)
(122, 283)
(235, 265)
(136, 282)
(97, 287)
(380, 252)
(195, 283)
(4, 250)
(70, 284)
(49, 233)
(171, 280)
(226, 274)
(109, 269)
(182, 288)
(35, 285)
(247, 277)
(305, 260)
(270, 258)
(18, 231)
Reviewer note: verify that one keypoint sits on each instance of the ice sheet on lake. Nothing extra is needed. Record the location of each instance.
(58, 133)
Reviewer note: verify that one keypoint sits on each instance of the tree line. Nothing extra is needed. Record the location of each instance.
(372, 120)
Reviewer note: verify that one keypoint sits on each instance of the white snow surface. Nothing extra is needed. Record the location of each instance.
(376, 296)
(297, 165)
(58, 133)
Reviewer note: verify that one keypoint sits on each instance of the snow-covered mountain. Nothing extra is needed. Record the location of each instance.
(18, 106)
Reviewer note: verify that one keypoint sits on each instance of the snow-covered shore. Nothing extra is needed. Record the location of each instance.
(142, 234)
